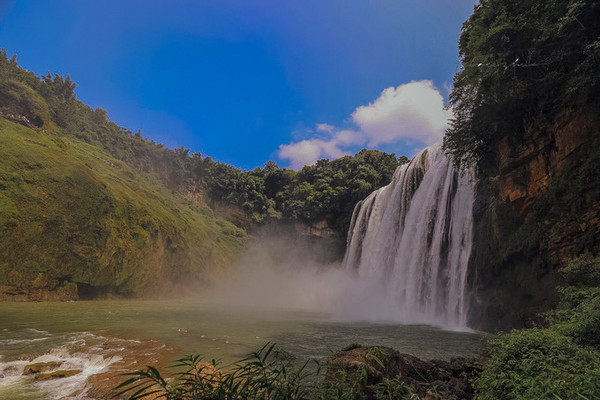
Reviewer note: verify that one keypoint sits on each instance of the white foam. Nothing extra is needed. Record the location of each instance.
(8, 342)
(33, 330)
(89, 362)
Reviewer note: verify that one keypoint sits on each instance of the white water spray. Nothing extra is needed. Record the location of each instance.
(410, 242)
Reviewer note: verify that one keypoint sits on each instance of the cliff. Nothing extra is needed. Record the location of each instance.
(529, 168)
(541, 210)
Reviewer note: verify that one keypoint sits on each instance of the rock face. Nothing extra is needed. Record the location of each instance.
(288, 242)
(432, 379)
(318, 229)
(541, 210)
(66, 292)
(528, 168)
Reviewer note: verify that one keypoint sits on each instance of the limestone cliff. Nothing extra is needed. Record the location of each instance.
(319, 229)
(529, 168)
(539, 211)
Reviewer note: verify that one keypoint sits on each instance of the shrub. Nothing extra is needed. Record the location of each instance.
(266, 374)
(263, 374)
(561, 361)
(539, 364)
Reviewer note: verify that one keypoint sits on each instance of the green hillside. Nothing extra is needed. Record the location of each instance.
(71, 214)
(87, 201)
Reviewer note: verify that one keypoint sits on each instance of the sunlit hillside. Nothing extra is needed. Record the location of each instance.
(73, 217)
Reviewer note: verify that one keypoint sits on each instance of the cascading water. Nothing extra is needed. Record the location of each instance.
(412, 241)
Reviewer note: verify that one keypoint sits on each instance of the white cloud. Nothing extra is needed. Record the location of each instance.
(410, 113)
(413, 111)
(325, 128)
(348, 137)
(308, 152)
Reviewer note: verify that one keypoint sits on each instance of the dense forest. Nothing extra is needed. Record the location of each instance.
(326, 191)
(121, 201)
(523, 63)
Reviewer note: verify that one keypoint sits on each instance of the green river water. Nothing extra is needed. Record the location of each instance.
(94, 335)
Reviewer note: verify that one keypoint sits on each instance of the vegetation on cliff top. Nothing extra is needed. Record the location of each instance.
(522, 63)
(326, 191)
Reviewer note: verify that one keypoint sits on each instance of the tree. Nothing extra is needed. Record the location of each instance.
(522, 61)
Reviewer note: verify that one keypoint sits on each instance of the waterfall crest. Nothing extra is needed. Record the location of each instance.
(412, 241)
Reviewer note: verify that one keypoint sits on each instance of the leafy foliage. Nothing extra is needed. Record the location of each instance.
(266, 374)
(522, 61)
(327, 191)
(539, 364)
(561, 361)
(578, 313)
(261, 375)
(18, 98)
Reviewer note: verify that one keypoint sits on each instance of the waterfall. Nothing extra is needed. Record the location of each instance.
(412, 241)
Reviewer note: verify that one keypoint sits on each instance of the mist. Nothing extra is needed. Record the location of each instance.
(284, 271)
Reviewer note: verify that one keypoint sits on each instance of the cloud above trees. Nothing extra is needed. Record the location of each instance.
(411, 114)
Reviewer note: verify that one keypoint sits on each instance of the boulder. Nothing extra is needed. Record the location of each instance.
(41, 367)
(57, 374)
(367, 367)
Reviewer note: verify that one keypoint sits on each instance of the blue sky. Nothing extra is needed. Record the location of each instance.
(247, 81)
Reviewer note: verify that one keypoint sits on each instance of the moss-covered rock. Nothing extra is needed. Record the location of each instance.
(57, 374)
(37, 368)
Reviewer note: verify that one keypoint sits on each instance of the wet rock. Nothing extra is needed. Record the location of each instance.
(41, 367)
(429, 379)
(66, 292)
(57, 374)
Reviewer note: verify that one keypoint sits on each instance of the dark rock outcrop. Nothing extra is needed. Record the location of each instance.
(541, 210)
(433, 379)
(529, 168)
(65, 292)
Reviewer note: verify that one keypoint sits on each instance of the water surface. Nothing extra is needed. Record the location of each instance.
(95, 336)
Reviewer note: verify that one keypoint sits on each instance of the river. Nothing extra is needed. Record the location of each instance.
(105, 338)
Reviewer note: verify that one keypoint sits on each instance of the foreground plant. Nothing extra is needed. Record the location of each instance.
(266, 374)
(561, 361)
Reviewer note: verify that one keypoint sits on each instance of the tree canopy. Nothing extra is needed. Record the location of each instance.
(326, 191)
(522, 61)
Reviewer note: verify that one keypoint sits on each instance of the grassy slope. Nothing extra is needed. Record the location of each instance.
(71, 213)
